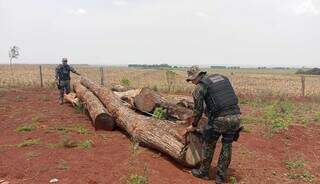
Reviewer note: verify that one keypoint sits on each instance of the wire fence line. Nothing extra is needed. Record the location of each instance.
(245, 82)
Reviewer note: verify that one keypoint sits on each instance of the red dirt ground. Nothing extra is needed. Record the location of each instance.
(256, 159)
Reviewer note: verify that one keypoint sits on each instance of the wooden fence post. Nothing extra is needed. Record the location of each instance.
(101, 76)
(303, 85)
(41, 81)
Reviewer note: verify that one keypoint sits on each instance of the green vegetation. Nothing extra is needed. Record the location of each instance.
(304, 176)
(125, 82)
(159, 113)
(279, 115)
(233, 180)
(297, 170)
(68, 143)
(137, 179)
(295, 164)
(73, 128)
(28, 127)
(317, 117)
(29, 142)
(86, 144)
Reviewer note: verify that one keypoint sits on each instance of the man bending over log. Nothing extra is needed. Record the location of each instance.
(63, 78)
(224, 119)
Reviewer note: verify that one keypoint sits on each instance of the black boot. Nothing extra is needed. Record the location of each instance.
(200, 174)
(219, 179)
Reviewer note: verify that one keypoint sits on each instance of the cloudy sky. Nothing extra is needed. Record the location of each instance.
(183, 32)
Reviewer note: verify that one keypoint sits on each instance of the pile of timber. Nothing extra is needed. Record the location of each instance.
(127, 111)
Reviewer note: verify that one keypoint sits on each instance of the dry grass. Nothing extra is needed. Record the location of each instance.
(245, 81)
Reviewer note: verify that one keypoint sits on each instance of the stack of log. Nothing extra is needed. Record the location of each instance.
(130, 111)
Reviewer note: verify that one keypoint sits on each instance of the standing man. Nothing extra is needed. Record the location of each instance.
(63, 78)
(223, 119)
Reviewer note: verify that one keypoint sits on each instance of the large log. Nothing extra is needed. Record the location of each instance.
(128, 96)
(148, 100)
(101, 119)
(162, 135)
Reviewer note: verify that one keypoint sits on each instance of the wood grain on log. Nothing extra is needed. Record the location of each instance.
(101, 119)
(71, 98)
(162, 135)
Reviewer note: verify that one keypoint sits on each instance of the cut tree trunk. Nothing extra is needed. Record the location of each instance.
(100, 117)
(162, 135)
(128, 96)
(72, 98)
(148, 100)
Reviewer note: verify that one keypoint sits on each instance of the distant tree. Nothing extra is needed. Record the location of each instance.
(14, 53)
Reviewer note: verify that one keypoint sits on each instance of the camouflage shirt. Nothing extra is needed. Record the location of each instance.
(62, 68)
(198, 98)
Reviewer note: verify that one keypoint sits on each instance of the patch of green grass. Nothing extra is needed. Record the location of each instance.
(304, 176)
(233, 180)
(279, 115)
(125, 82)
(159, 113)
(72, 128)
(317, 117)
(295, 164)
(86, 144)
(28, 127)
(137, 179)
(30, 142)
(250, 120)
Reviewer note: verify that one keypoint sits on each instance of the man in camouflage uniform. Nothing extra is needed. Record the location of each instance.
(216, 93)
(63, 78)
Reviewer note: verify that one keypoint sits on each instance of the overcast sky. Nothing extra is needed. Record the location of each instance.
(183, 32)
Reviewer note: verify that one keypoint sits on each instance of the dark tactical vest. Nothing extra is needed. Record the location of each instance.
(220, 99)
(64, 72)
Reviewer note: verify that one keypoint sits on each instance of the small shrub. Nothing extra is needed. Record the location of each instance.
(317, 118)
(26, 127)
(155, 88)
(86, 144)
(125, 82)
(295, 164)
(67, 143)
(29, 142)
(233, 180)
(159, 113)
(137, 179)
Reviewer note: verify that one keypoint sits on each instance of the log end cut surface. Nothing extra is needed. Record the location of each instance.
(104, 122)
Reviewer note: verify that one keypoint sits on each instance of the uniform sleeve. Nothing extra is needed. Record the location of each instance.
(73, 70)
(198, 98)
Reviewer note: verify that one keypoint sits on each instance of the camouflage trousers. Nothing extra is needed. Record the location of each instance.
(64, 88)
(221, 126)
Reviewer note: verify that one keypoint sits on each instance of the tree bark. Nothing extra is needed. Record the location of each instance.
(162, 135)
(101, 119)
